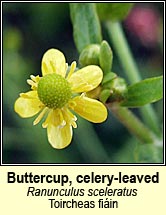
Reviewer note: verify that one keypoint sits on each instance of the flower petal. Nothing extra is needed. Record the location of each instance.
(90, 109)
(59, 137)
(86, 79)
(28, 104)
(53, 61)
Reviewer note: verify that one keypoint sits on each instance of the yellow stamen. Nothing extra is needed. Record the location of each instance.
(40, 116)
(69, 117)
(48, 119)
(72, 68)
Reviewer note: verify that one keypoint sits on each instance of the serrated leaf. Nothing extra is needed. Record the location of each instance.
(147, 91)
(86, 25)
(113, 11)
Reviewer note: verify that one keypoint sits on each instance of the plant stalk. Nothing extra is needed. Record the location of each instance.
(123, 51)
(132, 123)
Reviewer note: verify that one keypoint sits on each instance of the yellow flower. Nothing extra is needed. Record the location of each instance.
(57, 95)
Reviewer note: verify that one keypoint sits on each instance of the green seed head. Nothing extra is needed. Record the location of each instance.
(54, 91)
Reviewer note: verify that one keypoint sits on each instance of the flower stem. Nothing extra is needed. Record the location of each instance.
(132, 123)
(123, 51)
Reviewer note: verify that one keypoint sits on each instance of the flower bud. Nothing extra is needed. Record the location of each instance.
(90, 55)
(105, 57)
(118, 89)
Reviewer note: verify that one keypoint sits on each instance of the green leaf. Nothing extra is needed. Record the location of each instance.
(86, 25)
(113, 11)
(144, 92)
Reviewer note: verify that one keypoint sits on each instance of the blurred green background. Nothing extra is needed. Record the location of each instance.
(29, 29)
